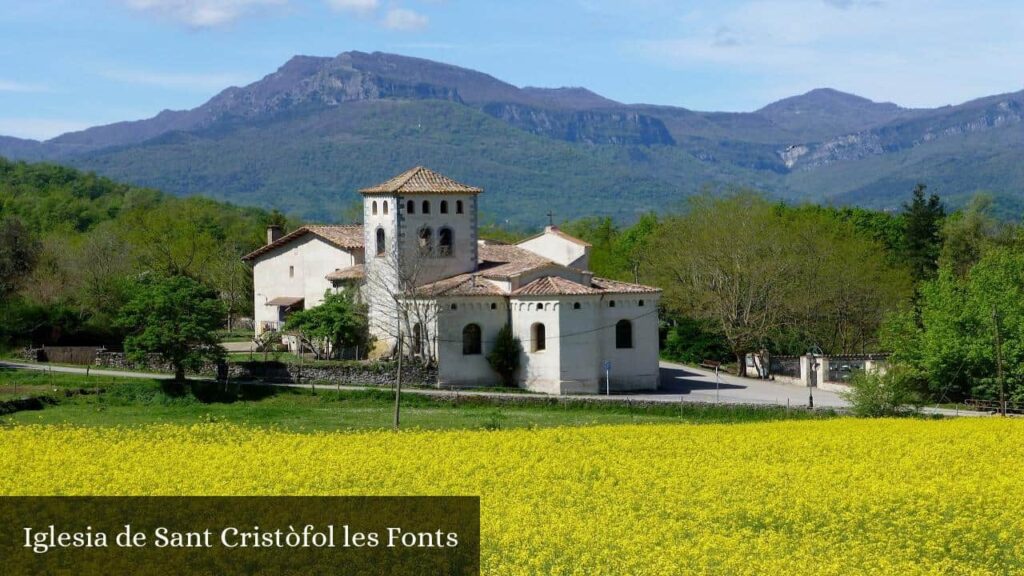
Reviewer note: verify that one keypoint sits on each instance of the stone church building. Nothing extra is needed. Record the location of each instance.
(429, 280)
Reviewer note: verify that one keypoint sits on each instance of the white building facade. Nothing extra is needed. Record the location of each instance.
(436, 291)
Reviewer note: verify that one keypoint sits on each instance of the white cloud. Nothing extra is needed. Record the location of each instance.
(201, 13)
(39, 128)
(13, 86)
(904, 52)
(357, 6)
(176, 80)
(403, 19)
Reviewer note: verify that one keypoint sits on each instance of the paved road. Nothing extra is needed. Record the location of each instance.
(678, 383)
(689, 384)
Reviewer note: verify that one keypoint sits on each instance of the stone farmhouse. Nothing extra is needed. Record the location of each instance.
(431, 283)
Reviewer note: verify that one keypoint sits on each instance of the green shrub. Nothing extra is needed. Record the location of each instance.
(888, 393)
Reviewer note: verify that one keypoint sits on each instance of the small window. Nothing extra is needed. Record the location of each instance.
(455, 306)
(471, 340)
(458, 206)
(444, 242)
(380, 242)
(410, 207)
(426, 206)
(291, 271)
(611, 303)
(575, 305)
(494, 306)
(417, 339)
(385, 203)
(624, 334)
(641, 303)
(444, 206)
(538, 338)
(374, 210)
(426, 240)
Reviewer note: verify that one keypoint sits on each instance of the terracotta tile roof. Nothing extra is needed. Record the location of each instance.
(557, 232)
(357, 272)
(461, 285)
(553, 286)
(500, 261)
(349, 237)
(421, 180)
(615, 287)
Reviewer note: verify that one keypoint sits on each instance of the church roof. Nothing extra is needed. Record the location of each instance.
(356, 272)
(349, 237)
(556, 231)
(421, 180)
(615, 287)
(461, 285)
(501, 261)
(552, 286)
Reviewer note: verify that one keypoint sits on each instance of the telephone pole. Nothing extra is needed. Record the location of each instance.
(999, 363)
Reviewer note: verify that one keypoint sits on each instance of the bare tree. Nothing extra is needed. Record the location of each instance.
(400, 309)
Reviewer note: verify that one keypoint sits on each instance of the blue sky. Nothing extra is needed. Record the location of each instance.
(69, 64)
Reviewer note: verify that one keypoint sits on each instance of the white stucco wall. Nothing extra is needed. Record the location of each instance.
(311, 259)
(633, 368)
(463, 226)
(539, 371)
(455, 368)
(558, 249)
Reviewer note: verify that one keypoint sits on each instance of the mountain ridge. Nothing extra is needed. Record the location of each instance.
(328, 111)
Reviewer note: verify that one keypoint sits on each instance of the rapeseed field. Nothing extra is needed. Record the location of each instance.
(838, 496)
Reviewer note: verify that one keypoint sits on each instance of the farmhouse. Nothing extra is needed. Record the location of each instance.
(436, 291)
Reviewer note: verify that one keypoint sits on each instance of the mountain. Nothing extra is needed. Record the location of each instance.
(825, 112)
(306, 136)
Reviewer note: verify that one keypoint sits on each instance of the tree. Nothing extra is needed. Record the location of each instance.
(727, 262)
(964, 324)
(504, 356)
(761, 274)
(888, 393)
(968, 233)
(175, 318)
(19, 252)
(336, 323)
(923, 217)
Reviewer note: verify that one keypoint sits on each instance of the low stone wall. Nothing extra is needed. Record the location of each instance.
(354, 373)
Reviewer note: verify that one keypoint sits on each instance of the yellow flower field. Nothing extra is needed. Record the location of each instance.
(817, 497)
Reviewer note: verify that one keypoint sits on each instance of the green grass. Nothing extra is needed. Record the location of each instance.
(131, 402)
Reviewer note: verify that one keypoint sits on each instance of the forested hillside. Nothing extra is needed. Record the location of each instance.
(304, 138)
(75, 242)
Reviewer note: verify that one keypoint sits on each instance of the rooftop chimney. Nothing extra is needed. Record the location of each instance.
(274, 233)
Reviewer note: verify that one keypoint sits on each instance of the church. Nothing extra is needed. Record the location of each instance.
(436, 291)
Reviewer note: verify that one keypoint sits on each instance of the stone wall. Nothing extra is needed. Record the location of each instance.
(345, 373)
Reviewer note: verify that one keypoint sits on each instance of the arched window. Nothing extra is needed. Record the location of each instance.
(611, 303)
(538, 338)
(380, 242)
(426, 206)
(426, 236)
(444, 206)
(417, 338)
(623, 334)
(385, 203)
(471, 340)
(455, 306)
(458, 206)
(575, 305)
(494, 306)
(410, 207)
(374, 208)
(444, 242)
(641, 303)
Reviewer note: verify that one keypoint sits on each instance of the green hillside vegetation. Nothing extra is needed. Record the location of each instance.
(312, 163)
(93, 238)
